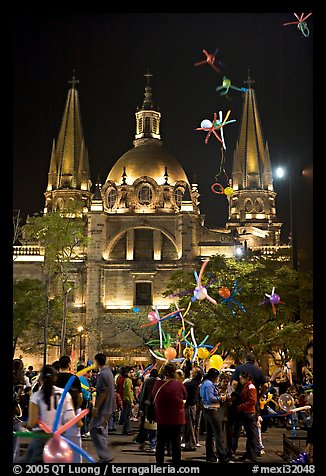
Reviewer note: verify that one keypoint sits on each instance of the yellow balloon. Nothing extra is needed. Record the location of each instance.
(186, 350)
(216, 361)
(228, 190)
(202, 353)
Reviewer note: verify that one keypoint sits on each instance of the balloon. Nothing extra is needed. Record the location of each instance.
(72, 421)
(286, 402)
(200, 293)
(203, 353)
(216, 361)
(275, 299)
(57, 450)
(224, 292)
(205, 123)
(152, 316)
(187, 350)
(228, 191)
(170, 353)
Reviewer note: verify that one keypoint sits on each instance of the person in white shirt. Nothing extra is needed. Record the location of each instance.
(43, 406)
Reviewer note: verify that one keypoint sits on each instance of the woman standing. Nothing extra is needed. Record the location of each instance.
(211, 404)
(43, 406)
(169, 397)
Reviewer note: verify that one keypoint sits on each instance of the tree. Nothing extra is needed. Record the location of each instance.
(257, 329)
(29, 310)
(62, 233)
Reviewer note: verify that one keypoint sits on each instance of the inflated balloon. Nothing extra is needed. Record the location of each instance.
(216, 361)
(210, 59)
(203, 353)
(170, 353)
(228, 191)
(273, 299)
(301, 23)
(152, 317)
(224, 292)
(216, 124)
(57, 450)
(286, 402)
(229, 297)
(226, 85)
(187, 351)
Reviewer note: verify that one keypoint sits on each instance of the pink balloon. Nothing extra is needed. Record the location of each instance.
(56, 450)
(152, 316)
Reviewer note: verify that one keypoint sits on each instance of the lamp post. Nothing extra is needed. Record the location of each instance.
(80, 330)
(281, 173)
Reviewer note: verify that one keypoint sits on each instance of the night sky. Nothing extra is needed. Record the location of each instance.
(110, 54)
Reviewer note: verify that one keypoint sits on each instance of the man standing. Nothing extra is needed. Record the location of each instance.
(102, 410)
(259, 380)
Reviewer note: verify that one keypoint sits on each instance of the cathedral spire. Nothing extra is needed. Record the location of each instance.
(251, 162)
(252, 208)
(69, 166)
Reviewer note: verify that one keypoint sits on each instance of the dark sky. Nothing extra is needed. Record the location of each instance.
(110, 54)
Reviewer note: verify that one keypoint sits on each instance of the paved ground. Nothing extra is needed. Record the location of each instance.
(126, 451)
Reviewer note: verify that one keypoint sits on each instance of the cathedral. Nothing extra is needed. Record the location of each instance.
(144, 222)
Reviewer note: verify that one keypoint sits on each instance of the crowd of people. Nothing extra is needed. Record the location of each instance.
(172, 404)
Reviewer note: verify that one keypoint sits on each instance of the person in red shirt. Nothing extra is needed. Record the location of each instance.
(248, 409)
(169, 397)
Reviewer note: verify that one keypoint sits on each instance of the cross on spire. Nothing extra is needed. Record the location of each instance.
(148, 75)
(73, 81)
(249, 81)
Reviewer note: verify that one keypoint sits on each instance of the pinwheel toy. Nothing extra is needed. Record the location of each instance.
(210, 59)
(207, 125)
(200, 292)
(301, 23)
(273, 299)
(156, 320)
(227, 297)
(226, 85)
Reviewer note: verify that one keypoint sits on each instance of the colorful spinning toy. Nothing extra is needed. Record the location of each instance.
(273, 299)
(210, 59)
(207, 125)
(227, 297)
(301, 23)
(226, 85)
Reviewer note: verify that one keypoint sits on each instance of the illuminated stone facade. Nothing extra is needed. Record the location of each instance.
(143, 222)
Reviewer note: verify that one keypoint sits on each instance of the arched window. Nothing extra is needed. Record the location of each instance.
(259, 205)
(178, 195)
(112, 196)
(248, 205)
(145, 195)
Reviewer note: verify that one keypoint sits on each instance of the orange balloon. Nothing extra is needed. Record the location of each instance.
(170, 353)
(224, 292)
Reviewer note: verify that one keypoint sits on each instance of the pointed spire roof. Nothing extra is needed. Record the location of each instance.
(251, 161)
(69, 167)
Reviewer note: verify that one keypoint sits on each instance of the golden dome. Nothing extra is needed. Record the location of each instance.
(150, 159)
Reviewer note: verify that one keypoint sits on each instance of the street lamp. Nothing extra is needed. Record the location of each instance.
(80, 330)
(281, 173)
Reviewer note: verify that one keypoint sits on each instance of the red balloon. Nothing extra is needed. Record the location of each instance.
(57, 450)
(224, 292)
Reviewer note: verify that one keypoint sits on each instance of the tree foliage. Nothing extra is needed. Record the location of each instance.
(257, 329)
(29, 310)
